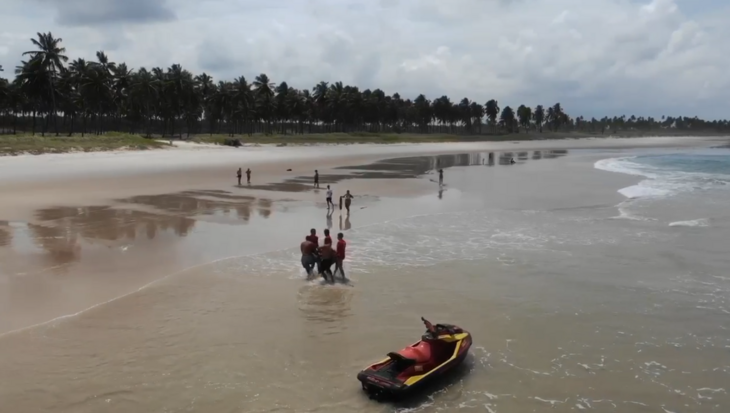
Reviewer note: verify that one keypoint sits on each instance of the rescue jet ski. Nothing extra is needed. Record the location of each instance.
(441, 348)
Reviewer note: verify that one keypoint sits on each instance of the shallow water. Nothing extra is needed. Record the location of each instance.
(572, 307)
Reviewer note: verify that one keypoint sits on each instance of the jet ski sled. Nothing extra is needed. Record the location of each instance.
(441, 348)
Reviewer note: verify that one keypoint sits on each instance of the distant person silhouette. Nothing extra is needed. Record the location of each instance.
(238, 175)
(248, 176)
(441, 176)
(316, 178)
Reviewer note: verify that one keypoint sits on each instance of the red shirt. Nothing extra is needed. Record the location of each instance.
(341, 244)
(327, 240)
(313, 239)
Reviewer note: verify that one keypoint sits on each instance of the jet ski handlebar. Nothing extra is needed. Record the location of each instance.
(438, 328)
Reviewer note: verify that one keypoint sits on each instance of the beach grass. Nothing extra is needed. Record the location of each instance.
(110, 141)
(375, 138)
(385, 138)
(26, 143)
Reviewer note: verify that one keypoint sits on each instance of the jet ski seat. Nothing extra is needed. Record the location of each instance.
(421, 353)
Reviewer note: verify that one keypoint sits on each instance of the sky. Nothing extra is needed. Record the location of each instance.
(595, 57)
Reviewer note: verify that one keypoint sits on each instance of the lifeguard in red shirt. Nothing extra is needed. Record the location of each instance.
(340, 255)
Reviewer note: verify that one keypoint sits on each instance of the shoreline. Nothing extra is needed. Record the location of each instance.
(15, 145)
(367, 213)
(168, 262)
(31, 182)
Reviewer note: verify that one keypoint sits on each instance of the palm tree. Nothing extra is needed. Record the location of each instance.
(524, 115)
(507, 119)
(539, 117)
(51, 56)
(110, 96)
(492, 111)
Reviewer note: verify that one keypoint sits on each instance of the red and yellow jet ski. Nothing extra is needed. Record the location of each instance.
(441, 348)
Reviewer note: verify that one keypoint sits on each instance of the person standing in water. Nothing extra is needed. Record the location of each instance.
(340, 255)
(312, 237)
(329, 198)
(316, 178)
(348, 200)
(238, 174)
(441, 176)
(327, 238)
(248, 176)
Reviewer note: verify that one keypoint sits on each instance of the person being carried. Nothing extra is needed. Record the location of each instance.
(328, 258)
(238, 174)
(329, 198)
(340, 255)
(248, 176)
(309, 258)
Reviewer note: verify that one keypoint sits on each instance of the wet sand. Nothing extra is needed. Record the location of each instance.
(233, 312)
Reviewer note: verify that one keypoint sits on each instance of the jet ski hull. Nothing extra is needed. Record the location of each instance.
(387, 379)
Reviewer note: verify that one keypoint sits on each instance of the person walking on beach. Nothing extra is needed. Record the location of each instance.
(248, 176)
(309, 259)
(316, 178)
(340, 255)
(348, 200)
(329, 198)
(238, 174)
(441, 176)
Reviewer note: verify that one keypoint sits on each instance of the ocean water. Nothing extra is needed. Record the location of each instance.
(689, 188)
(584, 278)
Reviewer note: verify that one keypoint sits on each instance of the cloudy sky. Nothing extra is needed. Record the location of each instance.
(596, 57)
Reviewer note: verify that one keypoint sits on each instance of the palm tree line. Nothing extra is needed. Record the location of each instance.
(49, 93)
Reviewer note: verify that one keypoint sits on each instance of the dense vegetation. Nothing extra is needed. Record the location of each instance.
(51, 94)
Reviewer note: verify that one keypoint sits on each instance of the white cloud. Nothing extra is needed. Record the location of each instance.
(595, 57)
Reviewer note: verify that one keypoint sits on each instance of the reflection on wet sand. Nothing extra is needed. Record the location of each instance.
(413, 167)
(264, 207)
(6, 233)
(192, 203)
(58, 231)
(399, 168)
(347, 224)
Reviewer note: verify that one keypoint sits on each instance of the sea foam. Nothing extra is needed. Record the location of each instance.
(702, 222)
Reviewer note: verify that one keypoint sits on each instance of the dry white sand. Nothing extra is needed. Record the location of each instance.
(31, 181)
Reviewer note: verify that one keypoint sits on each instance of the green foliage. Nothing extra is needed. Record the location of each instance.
(19, 144)
(99, 97)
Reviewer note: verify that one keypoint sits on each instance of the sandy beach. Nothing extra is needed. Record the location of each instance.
(150, 281)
